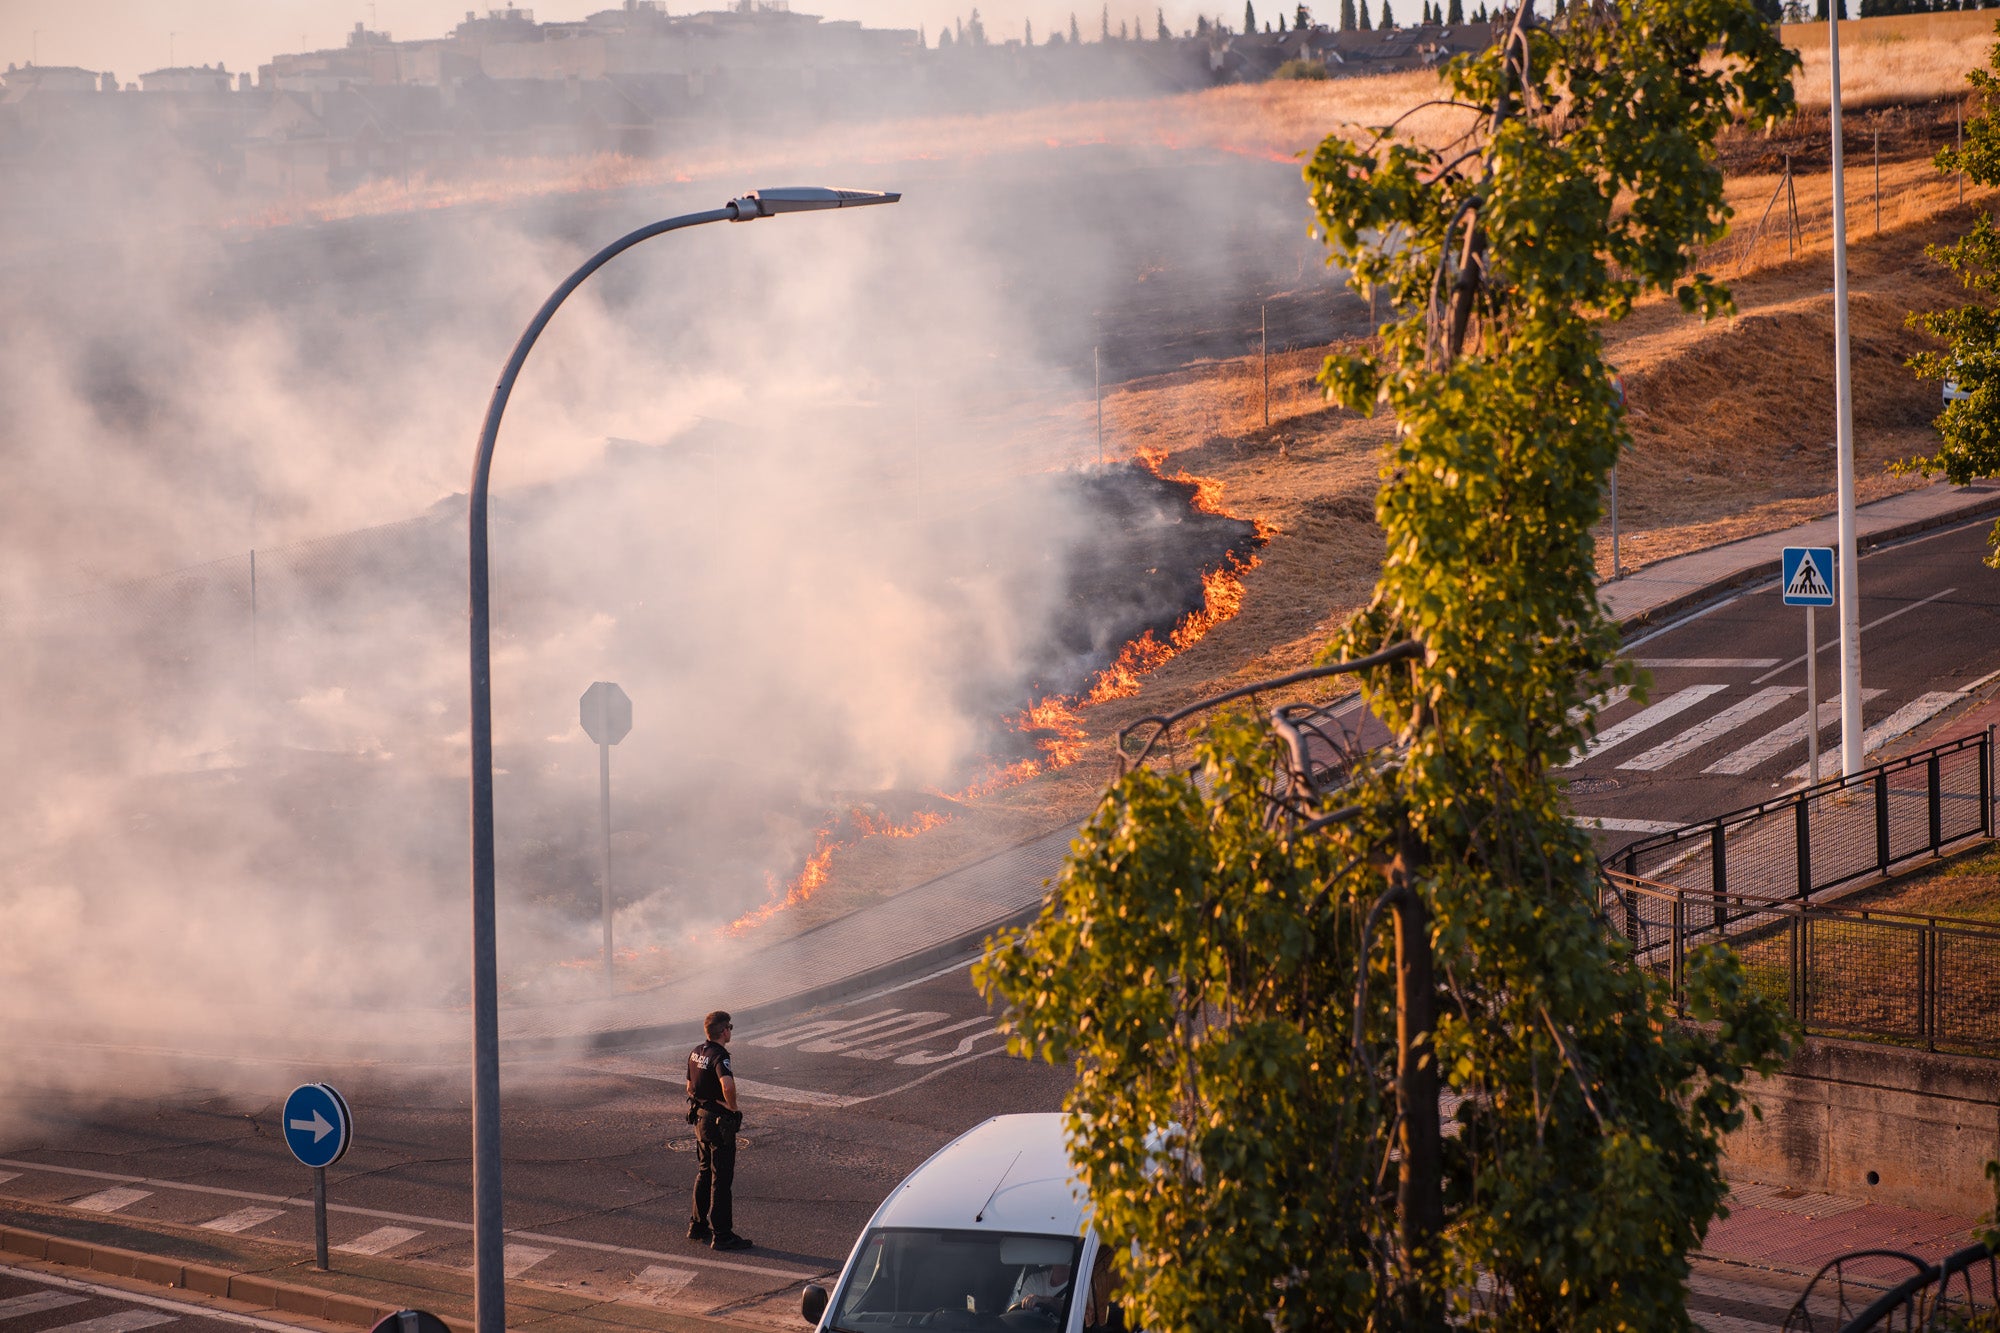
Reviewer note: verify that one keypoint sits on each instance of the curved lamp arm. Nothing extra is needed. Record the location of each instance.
(489, 1292)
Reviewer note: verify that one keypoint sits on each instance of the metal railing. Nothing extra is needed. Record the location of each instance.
(1948, 1294)
(1832, 833)
(1926, 981)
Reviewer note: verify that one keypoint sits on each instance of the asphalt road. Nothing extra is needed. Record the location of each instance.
(839, 1104)
(842, 1102)
(1723, 722)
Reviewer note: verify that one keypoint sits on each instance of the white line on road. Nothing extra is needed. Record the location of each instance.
(597, 1247)
(1644, 720)
(125, 1321)
(1699, 735)
(192, 1308)
(111, 1200)
(1704, 663)
(36, 1302)
(1834, 642)
(1774, 743)
(379, 1240)
(659, 1282)
(243, 1219)
(518, 1259)
(1912, 714)
(771, 1092)
(1610, 825)
(6, 1176)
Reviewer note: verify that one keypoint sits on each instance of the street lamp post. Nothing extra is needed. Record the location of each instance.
(489, 1288)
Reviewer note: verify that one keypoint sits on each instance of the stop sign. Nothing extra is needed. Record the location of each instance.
(606, 712)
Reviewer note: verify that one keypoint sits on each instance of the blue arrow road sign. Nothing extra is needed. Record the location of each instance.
(1807, 579)
(317, 1124)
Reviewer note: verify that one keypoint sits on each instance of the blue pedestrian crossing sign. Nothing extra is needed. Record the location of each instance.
(1807, 578)
(317, 1124)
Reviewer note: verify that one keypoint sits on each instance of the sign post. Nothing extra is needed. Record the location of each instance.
(318, 1127)
(606, 714)
(1807, 580)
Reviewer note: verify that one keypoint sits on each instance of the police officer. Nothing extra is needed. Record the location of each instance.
(711, 1093)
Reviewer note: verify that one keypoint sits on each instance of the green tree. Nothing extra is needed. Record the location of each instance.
(1160, 29)
(1075, 37)
(1361, 9)
(1347, 19)
(1251, 1055)
(1969, 427)
(1249, 18)
(1457, 12)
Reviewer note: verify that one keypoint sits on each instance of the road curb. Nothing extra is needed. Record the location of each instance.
(248, 1290)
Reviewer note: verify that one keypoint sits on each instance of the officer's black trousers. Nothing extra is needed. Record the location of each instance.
(715, 1150)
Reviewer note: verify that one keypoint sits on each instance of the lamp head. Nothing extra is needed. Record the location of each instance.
(804, 199)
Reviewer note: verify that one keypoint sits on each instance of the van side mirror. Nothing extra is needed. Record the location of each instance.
(812, 1303)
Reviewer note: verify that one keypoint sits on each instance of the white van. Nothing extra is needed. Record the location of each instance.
(991, 1235)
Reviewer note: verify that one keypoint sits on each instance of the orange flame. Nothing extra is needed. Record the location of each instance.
(819, 865)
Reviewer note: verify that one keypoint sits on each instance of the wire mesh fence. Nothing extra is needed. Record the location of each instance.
(1832, 833)
(1927, 981)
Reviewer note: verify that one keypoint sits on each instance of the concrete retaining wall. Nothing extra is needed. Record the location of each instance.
(1902, 1127)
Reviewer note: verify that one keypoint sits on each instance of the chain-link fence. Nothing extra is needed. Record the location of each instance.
(1927, 981)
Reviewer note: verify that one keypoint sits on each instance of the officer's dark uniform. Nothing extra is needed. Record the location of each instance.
(715, 1142)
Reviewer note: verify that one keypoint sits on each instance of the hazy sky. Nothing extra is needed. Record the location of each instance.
(131, 37)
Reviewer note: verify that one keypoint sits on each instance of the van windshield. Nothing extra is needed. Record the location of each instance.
(964, 1280)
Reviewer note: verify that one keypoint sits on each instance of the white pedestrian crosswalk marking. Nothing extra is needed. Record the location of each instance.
(518, 1259)
(1774, 743)
(1705, 663)
(111, 1200)
(243, 1219)
(1912, 714)
(1645, 720)
(379, 1240)
(657, 1282)
(1702, 733)
(125, 1321)
(1613, 825)
(37, 1302)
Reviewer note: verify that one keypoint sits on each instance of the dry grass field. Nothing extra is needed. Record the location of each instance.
(1732, 421)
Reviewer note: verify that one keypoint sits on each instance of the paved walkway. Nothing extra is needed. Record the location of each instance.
(1756, 1262)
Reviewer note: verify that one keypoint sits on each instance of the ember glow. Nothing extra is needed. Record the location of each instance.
(833, 837)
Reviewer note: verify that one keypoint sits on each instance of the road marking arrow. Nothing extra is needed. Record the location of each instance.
(318, 1125)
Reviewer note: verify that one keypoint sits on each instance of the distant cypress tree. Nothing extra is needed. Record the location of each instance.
(1105, 33)
(1362, 8)
(1389, 19)
(1027, 32)
(1074, 36)
(1457, 12)
(1347, 21)
(1249, 18)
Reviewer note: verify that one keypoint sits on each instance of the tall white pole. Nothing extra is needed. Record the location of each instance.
(1843, 378)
